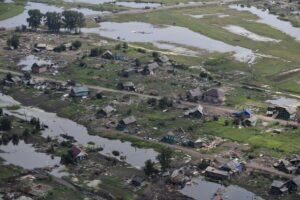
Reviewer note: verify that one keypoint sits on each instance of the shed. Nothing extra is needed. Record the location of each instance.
(196, 112)
(106, 111)
(169, 139)
(124, 123)
(278, 187)
(214, 96)
(214, 173)
(126, 86)
(194, 94)
(40, 67)
(108, 55)
(150, 68)
(137, 181)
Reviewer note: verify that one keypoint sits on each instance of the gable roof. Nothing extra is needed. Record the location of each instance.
(198, 108)
(129, 120)
(277, 184)
(217, 93)
(296, 180)
(80, 89)
(195, 92)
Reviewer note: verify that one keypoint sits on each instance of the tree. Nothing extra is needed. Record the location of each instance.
(76, 44)
(165, 102)
(164, 158)
(5, 123)
(96, 52)
(53, 21)
(149, 168)
(73, 20)
(35, 18)
(13, 41)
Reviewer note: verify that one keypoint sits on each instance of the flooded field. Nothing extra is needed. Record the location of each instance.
(21, 18)
(201, 189)
(220, 15)
(27, 62)
(248, 34)
(272, 20)
(25, 155)
(144, 32)
(119, 3)
(57, 126)
(284, 102)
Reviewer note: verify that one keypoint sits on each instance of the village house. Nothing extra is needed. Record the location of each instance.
(243, 114)
(106, 111)
(169, 139)
(199, 143)
(108, 55)
(214, 96)
(196, 112)
(162, 59)
(217, 174)
(278, 112)
(194, 94)
(285, 166)
(149, 69)
(233, 167)
(128, 72)
(138, 181)
(79, 91)
(78, 153)
(293, 184)
(68, 46)
(129, 86)
(38, 68)
(124, 123)
(278, 187)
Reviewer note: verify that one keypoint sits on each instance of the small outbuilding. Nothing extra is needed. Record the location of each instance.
(80, 91)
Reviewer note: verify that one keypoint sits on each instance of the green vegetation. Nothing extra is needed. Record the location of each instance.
(8, 10)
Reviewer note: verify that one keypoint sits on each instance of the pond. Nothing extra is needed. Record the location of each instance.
(58, 125)
(144, 32)
(267, 18)
(21, 18)
(202, 190)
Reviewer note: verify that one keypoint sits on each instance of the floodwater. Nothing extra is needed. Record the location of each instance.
(27, 62)
(220, 15)
(119, 3)
(90, 1)
(272, 20)
(284, 102)
(24, 155)
(144, 32)
(201, 189)
(21, 18)
(138, 4)
(58, 125)
(248, 34)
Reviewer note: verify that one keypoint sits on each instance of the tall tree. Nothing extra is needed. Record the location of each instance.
(53, 21)
(13, 41)
(35, 18)
(164, 158)
(149, 168)
(73, 20)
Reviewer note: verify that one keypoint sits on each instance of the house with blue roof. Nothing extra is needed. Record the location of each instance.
(80, 91)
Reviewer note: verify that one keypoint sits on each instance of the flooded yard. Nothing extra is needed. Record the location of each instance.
(58, 125)
(201, 189)
(27, 62)
(144, 32)
(267, 18)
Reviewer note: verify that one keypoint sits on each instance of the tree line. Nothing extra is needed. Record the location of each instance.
(68, 19)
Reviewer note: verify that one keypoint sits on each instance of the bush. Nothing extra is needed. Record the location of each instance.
(60, 48)
(155, 54)
(76, 44)
(6, 124)
(96, 52)
(116, 153)
(165, 102)
(13, 41)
